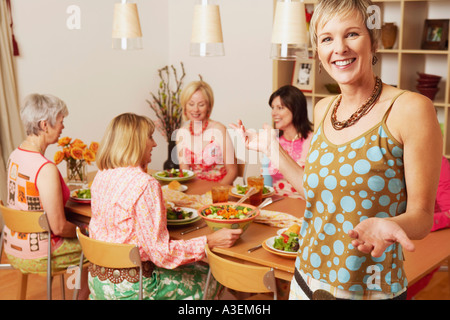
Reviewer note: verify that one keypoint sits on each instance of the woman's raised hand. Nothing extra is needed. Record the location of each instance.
(259, 141)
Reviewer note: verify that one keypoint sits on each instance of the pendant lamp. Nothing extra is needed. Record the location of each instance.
(206, 38)
(289, 35)
(126, 33)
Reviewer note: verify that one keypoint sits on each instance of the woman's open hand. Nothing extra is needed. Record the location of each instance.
(259, 141)
(374, 235)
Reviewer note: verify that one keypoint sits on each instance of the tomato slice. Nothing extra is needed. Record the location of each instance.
(285, 237)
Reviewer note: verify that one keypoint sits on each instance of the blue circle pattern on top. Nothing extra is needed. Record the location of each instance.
(345, 185)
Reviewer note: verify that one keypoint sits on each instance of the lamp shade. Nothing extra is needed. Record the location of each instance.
(126, 33)
(289, 35)
(206, 38)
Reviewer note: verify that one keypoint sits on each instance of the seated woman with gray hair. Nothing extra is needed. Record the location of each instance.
(35, 184)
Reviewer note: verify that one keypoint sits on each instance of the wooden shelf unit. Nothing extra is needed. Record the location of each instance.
(397, 66)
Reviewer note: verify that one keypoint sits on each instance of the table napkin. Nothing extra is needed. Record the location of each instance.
(181, 199)
(277, 219)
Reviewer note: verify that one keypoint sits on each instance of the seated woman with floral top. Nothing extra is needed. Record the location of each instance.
(128, 207)
(203, 144)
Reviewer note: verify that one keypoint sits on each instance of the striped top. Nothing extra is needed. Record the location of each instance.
(344, 185)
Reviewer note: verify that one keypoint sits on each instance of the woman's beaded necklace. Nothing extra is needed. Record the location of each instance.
(362, 111)
(191, 129)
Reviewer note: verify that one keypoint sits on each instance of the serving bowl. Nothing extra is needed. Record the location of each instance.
(428, 76)
(233, 223)
(426, 81)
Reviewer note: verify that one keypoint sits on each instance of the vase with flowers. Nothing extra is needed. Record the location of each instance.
(167, 107)
(77, 155)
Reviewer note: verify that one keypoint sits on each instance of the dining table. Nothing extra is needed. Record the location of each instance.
(430, 252)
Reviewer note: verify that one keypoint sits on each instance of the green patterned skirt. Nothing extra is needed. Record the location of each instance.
(185, 282)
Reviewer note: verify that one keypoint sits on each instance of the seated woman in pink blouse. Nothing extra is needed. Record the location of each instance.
(128, 207)
(203, 144)
(290, 117)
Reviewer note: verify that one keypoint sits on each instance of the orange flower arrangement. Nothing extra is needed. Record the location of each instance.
(75, 150)
(76, 153)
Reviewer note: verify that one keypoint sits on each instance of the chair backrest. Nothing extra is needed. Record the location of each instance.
(24, 221)
(241, 277)
(110, 255)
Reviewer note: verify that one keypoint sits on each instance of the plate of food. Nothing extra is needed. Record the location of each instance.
(81, 195)
(174, 175)
(284, 244)
(176, 186)
(181, 216)
(239, 191)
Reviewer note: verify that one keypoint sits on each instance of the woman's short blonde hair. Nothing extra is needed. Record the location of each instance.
(329, 9)
(124, 142)
(41, 107)
(192, 88)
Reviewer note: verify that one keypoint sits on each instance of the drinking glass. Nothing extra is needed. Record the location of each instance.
(256, 182)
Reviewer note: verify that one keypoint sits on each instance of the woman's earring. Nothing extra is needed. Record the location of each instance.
(374, 60)
(320, 66)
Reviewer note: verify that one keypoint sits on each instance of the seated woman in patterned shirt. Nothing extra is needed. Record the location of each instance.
(35, 184)
(290, 117)
(128, 207)
(203, 144)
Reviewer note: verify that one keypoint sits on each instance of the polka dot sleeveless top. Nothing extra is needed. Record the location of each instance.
(345, 184)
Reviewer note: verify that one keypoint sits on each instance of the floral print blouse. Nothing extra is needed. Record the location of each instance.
(128, 207)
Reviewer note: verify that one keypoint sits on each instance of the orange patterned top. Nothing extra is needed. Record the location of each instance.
(128, 207)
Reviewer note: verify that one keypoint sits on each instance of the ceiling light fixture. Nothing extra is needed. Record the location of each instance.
(126, 34)
(206, 38)
(289, 35)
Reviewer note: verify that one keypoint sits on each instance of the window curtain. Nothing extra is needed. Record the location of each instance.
(11, 129)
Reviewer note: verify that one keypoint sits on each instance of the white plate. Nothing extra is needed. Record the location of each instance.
(235, 193)
(269, 243)
(76, 199)
(281, 231)
(194, 217)
(190, 175)
(183, 188)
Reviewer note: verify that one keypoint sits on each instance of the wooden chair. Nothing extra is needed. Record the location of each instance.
(110, 255)
(30, 222)
(241, 277)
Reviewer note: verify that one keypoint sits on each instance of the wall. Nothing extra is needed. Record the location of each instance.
(98, 83)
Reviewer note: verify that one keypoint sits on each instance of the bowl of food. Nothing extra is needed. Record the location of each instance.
(228, 215)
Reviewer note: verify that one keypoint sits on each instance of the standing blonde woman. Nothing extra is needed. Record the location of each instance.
(203, 144)
(371, 176)
(128, 207)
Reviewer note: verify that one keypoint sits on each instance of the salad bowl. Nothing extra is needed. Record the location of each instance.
(226, 215)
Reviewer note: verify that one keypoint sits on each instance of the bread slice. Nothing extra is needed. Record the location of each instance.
(174, 185)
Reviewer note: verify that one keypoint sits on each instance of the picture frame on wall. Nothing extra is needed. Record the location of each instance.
(303, 76)
(435, 34)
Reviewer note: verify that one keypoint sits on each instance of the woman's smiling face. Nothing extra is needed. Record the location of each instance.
(197, 108)
(345, 49)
